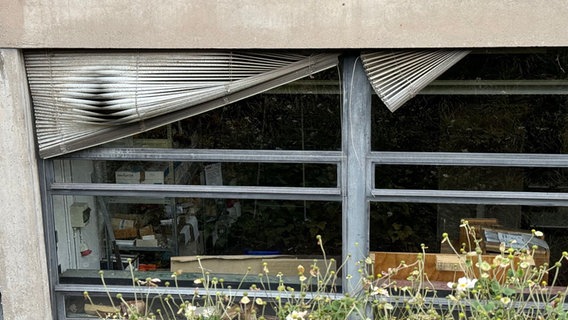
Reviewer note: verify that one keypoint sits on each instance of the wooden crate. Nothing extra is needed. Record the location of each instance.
(478, 224)
(437, 266)
(493, 237)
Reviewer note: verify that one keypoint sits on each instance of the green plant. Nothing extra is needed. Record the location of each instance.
(313, 296)
(507, 287)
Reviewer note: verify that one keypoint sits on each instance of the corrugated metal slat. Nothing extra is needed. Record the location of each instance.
(79, 97)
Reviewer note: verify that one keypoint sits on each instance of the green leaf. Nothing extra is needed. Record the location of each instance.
(495, 287)
(507, 292)
(490, 306)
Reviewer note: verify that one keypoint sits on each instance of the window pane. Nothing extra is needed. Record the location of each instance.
(151, 231)
(471, 178)
(403, 227)
(533, 64)
(509, 124)
(201, 173)
(303, 115)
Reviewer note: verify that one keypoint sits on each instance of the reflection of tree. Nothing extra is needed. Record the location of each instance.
(271, 122)
(402, 226)
(284, 227)
(487, 124)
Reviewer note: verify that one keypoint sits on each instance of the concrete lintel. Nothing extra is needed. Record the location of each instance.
(323, 24)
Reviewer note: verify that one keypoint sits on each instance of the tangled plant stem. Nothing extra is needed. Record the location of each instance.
(509, 287)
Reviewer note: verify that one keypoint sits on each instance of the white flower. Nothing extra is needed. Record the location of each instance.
(208, 312)
(295, 315)
(505, 300)
(379, 291)
(463, 284)
(484, 265)
(150, 282)
(189, 311)
(538, 234)
(388, 306)
(501, 261)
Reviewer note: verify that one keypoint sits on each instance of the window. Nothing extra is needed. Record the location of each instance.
(259, 177)
(265, 174)
(486, 140)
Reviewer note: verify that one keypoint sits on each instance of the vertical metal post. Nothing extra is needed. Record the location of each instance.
(355, 188)
(47, 177)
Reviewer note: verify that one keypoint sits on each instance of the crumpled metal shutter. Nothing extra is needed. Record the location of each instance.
(398, 75)
(86, 98)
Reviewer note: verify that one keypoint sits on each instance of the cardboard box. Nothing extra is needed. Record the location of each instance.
(239, 264)
(124, 228)
(516, 239)
(156, 173)
(125, 243)
(145, 231)
(118, 223)
(129, 233)
(146, 243)
(140, 220)
(129, 173)
(437, 266)
(160, 173)
(477, 224)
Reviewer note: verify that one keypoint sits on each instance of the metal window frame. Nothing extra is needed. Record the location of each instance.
(357, 228)
(523, 160)
(52, 188)
(194, 155)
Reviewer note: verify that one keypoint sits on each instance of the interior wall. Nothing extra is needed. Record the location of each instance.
(73, 240)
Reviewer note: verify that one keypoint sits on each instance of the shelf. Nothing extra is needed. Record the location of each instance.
(147, 249)
(139, 200)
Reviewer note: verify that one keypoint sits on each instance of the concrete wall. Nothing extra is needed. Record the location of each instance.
(282, 24)
(203, 25)
(23, 273)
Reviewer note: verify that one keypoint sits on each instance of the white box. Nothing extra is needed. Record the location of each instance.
(129, 174)
(147, 243)
(156, 173)
(78, 212)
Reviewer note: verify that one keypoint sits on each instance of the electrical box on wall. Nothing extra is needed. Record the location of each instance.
(79, 213)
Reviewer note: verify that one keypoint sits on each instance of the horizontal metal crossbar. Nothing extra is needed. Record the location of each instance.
(198, 191)
(470, 159)
(206, 155)
(444, 87)
(470, 197)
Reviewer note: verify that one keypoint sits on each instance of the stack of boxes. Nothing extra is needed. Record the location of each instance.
(491, 235)
(132, 227)
(152, 173)
(445, 266)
